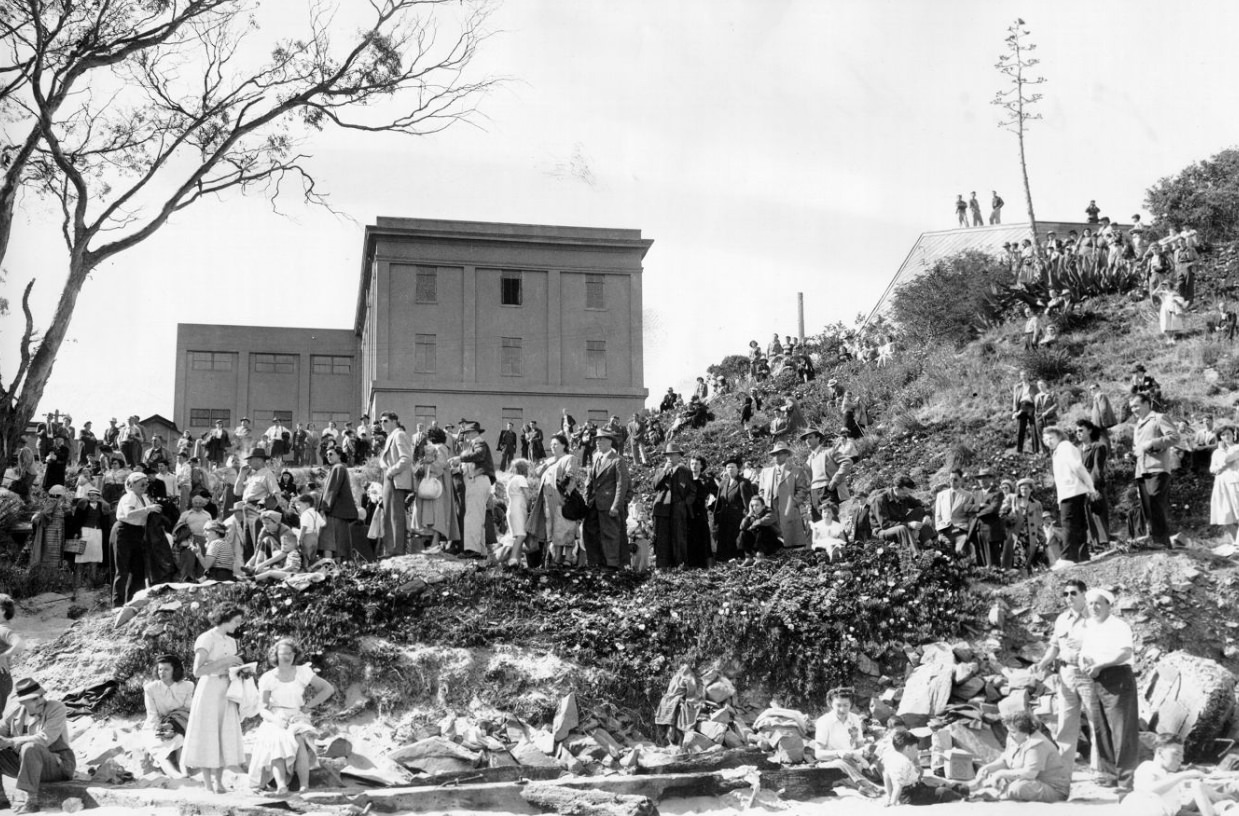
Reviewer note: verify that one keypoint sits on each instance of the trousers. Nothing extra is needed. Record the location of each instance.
(1118, 734)
(130, 560)
(33, 764)
(1155, 502)
(395, 519)
(1076, 699)
(1074, 512)
(477, 494)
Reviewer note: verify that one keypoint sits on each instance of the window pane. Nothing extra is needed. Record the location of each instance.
(205, 417)
(426, 289)
(274, 363)
(424, 415)
(510, 357)
(595, 293)
(596, 359)
(331, 364)
(511, 292)
(425, 353)
(210, 360)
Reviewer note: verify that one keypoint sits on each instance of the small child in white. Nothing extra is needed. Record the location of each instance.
(1160, 788)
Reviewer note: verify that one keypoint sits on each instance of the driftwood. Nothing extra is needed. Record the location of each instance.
(802, 783)
(714, 761)
(585, 802)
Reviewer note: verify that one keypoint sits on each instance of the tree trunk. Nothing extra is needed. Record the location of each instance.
(1032, 217)
(557, 799)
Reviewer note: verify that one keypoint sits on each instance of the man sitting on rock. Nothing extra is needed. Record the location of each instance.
(899, 516)
(34, 746)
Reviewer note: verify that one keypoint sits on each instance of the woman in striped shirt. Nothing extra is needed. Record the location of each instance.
(218, 560)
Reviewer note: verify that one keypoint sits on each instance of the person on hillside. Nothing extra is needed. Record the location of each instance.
(1075, 489)
(675, 494)
(536, 450)
(130, 536)
(284, 742)
(1153, 439)
(1107, 652)
(995, 208)
(1045, 405)
(547, 522)
(1224, 502)
(1022, 516)
(898, 516)
(1031, 769)
(217, 444)
(1092, 211)
(213, 733)
(220, 559)
(1095, 448)
(759, 532)
(517, 513)
(478, 468)
(1023, 410)
(955, 512)
(1172, 313)
(506, 445)
(397, 463)
(1161, 788)
(839, 740)
(1032, 329)
(1100, 411)
(1077, 697)
(700, 541)
(730, 508)
(993, 546)
(10, 645)
(961, 210)
(133, 440)
(784, 487)
(827, 474)
(87, 444)
(606, 491)
(903, 781)
(1185, 260)
(339, 510)
(34, 746)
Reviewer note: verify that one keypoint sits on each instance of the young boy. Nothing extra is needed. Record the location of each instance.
(1160, 788)
(287, 561)
(901, 775)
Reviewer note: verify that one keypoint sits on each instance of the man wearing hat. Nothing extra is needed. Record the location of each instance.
(605, 532)
(732, 504)
(397, 463)
(217, 444)
(479, 481)
(259, 489)
(34, 746)
(784, 487)
(827, 474)
(674, 494)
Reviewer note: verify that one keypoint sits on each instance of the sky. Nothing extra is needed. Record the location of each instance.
(768, 147)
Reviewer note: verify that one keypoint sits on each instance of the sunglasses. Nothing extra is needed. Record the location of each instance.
(1070, 593)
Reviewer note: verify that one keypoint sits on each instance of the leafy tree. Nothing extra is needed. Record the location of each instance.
(951, 301)
(123, 112)
(1204, 196)
(1016, 100)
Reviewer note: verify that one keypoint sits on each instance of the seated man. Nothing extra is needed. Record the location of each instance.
(898, 516)
(955, 511)
(1031, 770)
(34, 746)
(783, 731)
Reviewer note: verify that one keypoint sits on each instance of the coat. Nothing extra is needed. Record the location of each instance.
(397, 460)
(1153, 439)
(337, 500)
(786, 496)
(730, 508)
(607, 483)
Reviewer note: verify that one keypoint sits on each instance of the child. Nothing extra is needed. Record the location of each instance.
(311, 523)
(288, 560)
(1160, 788)
(901, 775)
(759, 531)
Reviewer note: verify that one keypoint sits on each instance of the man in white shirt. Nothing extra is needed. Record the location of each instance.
(1075, 489)
(277, 444)
(258, 488)
(244, 435)
(955, 509)
(1076, 695)
(1107, 650)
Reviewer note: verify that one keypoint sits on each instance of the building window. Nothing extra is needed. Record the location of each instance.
(510, 294)
(595, 293)
(510, 357)
(331, 364)
(596, 359)
(264, 415)
(598, 416)
(514, 415)
(206, 417)
(274, 363)
(426, 289)
(212, 360)
(424, 415)
(323, 417)
(425, 353)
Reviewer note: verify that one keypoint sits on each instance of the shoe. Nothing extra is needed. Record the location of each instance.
(26, 805)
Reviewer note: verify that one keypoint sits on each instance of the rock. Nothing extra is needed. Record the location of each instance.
(713, 731)
(584, 747)
(963, 671)
(696, 741)
(526, 753)
(567, 761)
(980, 742)
(1032, 652)
(928, 689)
(566, 718)
(435, 755)
(608, 742)
(970, 688)
(338, 747)
(584, 802)
(963, 652)
(1189, 696)
(867, 666)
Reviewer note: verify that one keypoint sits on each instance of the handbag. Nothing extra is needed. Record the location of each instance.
(77, 546)
(574, 507)
(430, 488)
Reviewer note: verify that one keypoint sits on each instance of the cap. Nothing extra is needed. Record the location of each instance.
(272, 515)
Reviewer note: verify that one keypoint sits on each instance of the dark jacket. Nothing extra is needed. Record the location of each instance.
(478, 454)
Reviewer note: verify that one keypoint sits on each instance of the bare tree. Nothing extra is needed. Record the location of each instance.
(1016, 100)
(132, 110)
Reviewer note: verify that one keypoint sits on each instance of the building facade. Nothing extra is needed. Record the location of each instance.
(454, 319)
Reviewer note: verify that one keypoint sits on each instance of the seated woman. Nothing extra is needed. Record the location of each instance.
(829, 534)
(219, 557)
(168, 699)
(284, 741)
(286, 561)
(839, 741)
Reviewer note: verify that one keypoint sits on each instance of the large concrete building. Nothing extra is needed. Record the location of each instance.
(454, 319)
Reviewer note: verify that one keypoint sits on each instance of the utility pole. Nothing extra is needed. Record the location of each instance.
(800, 315)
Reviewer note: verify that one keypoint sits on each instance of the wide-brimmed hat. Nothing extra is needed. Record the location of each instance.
(258, 453)
(606, 433)
(470, 426)
(812, 432)
(28, 689)
(734, 459)
(56, 490)
(673, 448)
(779, 447)
(985, 473)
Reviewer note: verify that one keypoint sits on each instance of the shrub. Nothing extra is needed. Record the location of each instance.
(950, 303)
(1203, 196)
(1049, 364)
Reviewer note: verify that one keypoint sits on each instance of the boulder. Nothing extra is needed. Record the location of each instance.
(1190, 696)
(980, 742)
(526, 753)
(566, 718)
(436, 755)
(928, 689)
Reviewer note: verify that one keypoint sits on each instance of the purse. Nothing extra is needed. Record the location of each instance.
(430, 488)
(76, 546)
(574, 507)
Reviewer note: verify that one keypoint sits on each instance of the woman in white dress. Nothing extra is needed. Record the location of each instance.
(561, 534)
(518, 507)
(168, 701)
(284, 741)
(213, 735)
(1224, 504)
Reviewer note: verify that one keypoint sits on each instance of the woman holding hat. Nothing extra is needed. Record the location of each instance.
(1224, 503)
(213, 733)
(218, 557)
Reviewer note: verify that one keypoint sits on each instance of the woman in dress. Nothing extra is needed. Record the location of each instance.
(518, 507)
(287, 485)
(285, 740)
(112, 482)
(213, 734)
(1224, 504)
(1095, 448)
(700, 545)
(339, 510)
(829, 534)
(133, 440)
(436, 517)
(91, 521)
(10, 645)
(168, 700)
(560, 533)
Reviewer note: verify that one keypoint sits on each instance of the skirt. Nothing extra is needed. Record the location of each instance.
(335, 538)
(273, 741)
(213, 735)
(93, 554)
(1224, 503)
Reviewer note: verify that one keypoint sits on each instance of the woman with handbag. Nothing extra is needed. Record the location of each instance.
(213, 734)
(434, 510)
(558, 481)
(285, 740)
(168, 699)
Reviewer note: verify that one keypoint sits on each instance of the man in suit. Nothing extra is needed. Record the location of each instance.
(34, 746)
(785, 488)
(955, 511)
(1045, 405)
(397, 462)
(536, 450)
(636, 439)
(1023, 409)
(1102, 413)
(606, 497)
(674, 494)
(734, 492)
(507, 446)
(827, 474)
(1153, 439)
(479, 479)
